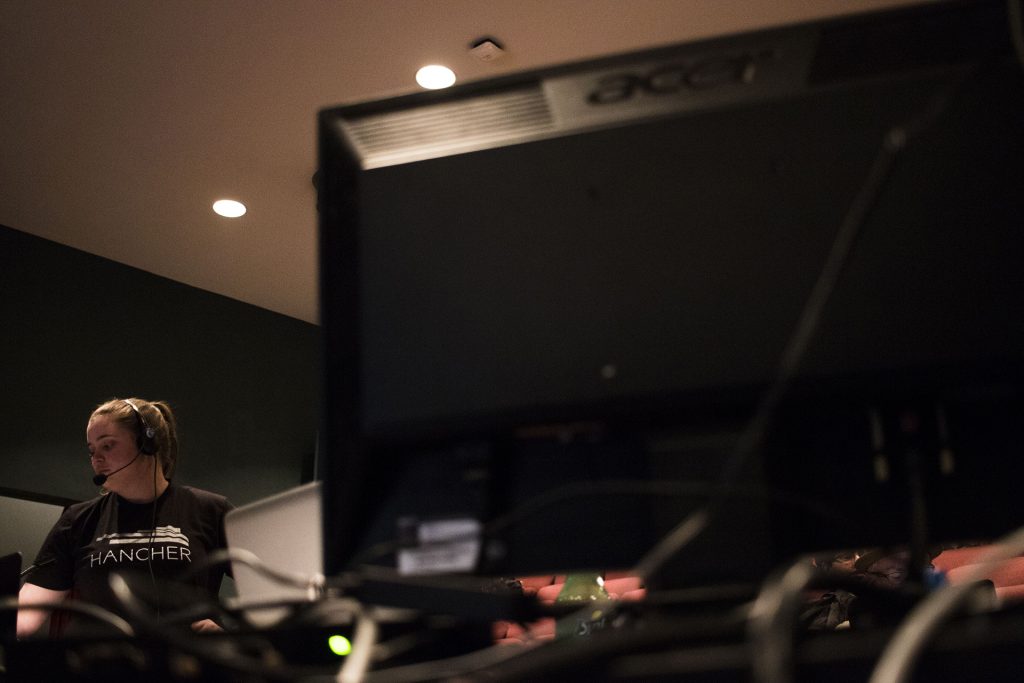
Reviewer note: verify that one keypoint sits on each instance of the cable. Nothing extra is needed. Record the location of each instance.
(897, 659)
(445, 668)
(152, 533)
(312, 583)
(358, 661)
(678, 538)
(352, 671)
(219, 652)
(77, 606)
(640, 487)
(201, 605)
(234, 614)
(754, 433)
(772, 620)
(570, 658)
(618, 488)
(751, 438)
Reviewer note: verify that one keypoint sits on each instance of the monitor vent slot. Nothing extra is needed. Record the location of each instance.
(467, 125)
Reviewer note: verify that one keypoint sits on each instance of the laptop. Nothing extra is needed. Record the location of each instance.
(10, 583)
(283, 531)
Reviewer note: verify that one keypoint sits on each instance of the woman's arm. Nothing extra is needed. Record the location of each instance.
(29, 620)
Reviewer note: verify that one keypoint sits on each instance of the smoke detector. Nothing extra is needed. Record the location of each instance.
(487, 49)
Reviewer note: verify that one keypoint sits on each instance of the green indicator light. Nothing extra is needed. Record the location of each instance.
(340, 645)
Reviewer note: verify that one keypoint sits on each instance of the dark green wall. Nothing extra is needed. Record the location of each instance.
(77, 329)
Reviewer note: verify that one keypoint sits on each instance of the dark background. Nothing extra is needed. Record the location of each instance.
(77, 329)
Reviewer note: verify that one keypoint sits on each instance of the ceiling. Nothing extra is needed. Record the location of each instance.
(123, 120)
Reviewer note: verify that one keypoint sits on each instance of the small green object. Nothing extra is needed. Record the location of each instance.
(340, 645)
(581, 590)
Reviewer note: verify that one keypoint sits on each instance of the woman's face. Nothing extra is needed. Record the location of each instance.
(111, 446)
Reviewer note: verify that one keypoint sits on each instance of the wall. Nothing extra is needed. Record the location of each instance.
(77, 329)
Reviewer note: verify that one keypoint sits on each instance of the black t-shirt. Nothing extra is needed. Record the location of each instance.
(108, 534)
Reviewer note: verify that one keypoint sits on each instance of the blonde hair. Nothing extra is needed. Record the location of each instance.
(156, 415)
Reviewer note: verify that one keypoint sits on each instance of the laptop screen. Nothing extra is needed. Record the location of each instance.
(283, 531)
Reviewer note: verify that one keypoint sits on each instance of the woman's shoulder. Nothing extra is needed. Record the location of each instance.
(202, 496)
(77, 516)
(84, 507)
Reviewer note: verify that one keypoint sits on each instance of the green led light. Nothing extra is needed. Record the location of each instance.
(340, 645)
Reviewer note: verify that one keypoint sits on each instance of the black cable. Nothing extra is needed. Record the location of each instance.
(445, 668)
(569, 659)
(152, 536)
(311, 582)
(774, 616)
(201, 605)
(76, 606)
(672, 489)
(592, 655)
(618, 488)
(233, 615)
(752, 437)
(264, 662)
(896, 662)
(773, 621)
(220, 652)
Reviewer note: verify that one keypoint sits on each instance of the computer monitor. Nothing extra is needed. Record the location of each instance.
(551, 302)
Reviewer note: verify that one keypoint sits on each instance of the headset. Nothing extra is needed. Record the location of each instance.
(146, 440)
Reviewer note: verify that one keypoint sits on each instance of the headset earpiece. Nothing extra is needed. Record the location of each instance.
(146, 440)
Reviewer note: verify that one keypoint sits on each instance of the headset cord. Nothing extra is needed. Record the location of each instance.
(152, 540)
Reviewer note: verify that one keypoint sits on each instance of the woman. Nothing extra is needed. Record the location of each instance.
(141, 522)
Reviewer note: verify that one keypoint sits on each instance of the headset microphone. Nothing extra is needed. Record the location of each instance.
(101, 479)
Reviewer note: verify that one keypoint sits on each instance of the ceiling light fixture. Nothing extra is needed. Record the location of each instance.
(435, 77)
(229, 208)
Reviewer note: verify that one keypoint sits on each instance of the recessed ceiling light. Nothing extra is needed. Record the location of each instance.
(435, 77)
(229, 208)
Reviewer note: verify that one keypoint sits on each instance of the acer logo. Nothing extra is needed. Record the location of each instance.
(674, 78)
